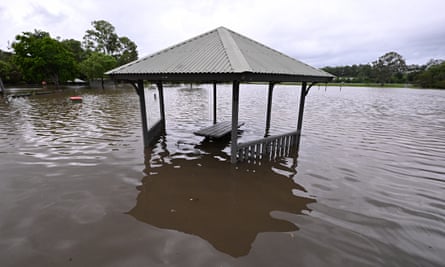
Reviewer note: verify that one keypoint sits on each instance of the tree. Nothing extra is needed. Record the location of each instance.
(127, 51)
(96, 65)
(355, 73)
(5, 69)
(388, 66)
(103, 39)
(9, 72)
(365, 73)
(432, 77)
(41, 57)
(433, 62)
(75, 47)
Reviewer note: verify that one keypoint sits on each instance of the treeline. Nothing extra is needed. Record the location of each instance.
(37, 57)
(391, 68)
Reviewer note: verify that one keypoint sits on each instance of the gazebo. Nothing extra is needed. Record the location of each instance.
(223, 56)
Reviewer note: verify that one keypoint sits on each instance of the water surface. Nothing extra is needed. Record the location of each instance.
(365, 189)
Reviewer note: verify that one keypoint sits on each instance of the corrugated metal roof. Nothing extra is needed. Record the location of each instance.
(220, 51)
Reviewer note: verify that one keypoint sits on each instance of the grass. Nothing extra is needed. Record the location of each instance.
(387, 85)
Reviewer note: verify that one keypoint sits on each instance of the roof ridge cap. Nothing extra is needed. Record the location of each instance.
(233, 52)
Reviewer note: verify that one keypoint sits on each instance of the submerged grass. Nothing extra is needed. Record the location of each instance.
(375, 85)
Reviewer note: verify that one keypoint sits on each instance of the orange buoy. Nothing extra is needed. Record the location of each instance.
(76, 99)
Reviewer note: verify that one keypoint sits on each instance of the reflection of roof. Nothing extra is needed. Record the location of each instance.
(226, 208)
(212, 55)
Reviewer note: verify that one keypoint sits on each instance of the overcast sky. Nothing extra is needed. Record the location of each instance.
(318, 32)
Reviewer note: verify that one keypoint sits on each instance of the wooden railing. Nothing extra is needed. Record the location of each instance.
(269, 148)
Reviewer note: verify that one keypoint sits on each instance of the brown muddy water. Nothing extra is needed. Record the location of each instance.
(367, 187)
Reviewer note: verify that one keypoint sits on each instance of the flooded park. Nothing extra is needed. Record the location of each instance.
(365, 188)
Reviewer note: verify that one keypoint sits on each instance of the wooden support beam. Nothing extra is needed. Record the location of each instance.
(235, 110)
(304, 91)
(141, 93)
(214, 103)
(269, 108)
(161, 103)
(301, 107)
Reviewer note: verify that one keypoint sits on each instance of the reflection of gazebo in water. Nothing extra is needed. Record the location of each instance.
(223, 56)
(228, 207)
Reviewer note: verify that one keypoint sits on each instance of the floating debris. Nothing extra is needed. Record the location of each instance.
(76, 99)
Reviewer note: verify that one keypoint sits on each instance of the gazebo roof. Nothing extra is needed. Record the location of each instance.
(220, 55)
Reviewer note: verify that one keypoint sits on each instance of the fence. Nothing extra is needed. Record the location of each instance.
(269, 148)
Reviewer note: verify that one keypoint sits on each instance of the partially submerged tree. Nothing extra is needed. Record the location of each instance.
(41, 57)
(389, 65)
(96, 65)
(433, 76)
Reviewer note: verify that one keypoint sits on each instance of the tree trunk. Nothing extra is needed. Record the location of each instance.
(55, 79)
(1, 87)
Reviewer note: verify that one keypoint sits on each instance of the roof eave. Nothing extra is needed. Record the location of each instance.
(219, 77)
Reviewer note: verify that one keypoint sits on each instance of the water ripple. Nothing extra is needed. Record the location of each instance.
(371, 160)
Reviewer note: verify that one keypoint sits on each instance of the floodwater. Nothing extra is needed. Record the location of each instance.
(367, 187)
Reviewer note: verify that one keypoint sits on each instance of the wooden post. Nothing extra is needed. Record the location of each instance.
(235, 108)
(141, 93)
(303, 94)
(161, 103)
(269, 108)
(214, 103)
(301, 107)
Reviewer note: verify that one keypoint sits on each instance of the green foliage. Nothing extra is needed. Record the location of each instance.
(9, 72)
(362, 73)
(75, 47)
(103, 39)
(5, 56)
(432, 77)
(5, 69)
(127, 51)
(40, 57)
(96, 65)
(389, 68)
